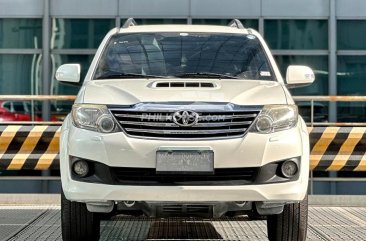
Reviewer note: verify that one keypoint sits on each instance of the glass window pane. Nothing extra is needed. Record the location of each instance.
(19, 107)
(248, 23)
(66, 89)
(351, 34)
(150, 21)
(20, 33)
(79, 33)
(351, 80)
(296, 34)
(351, 112)
(18, 72)
(319, 64)
(7, 105)
(351, 76)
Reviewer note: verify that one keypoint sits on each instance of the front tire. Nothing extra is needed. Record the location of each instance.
(77, 223)
(291, 224)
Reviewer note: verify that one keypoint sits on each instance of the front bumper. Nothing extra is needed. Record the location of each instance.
(118, 150)
(90, 192)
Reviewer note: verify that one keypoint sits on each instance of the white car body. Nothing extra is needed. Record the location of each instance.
(121, 150)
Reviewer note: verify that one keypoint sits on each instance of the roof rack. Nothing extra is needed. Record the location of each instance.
(235, 23)
(129, 22)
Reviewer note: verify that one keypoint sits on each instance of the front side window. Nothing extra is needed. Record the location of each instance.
(19, 107)
(184, 55)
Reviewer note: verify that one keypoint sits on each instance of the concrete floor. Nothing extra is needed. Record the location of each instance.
(43, 223)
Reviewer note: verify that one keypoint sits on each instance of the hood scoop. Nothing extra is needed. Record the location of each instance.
(183, 84)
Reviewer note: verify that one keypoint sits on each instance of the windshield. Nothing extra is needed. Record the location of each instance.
(184, 55)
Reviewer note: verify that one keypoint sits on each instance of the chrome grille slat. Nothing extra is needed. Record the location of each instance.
(201, 116)
(135, 116)
(190, 132)
(165, 124)
(148, 122)
(241, 116)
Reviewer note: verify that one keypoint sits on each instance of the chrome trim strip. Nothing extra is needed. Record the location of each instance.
(141, 116)
(227, 115)
(189, 132)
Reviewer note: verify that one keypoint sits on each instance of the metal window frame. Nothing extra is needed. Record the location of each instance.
(304, 52)
(20, 51)
(351, 52)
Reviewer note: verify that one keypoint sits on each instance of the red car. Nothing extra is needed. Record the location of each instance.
(16, 111)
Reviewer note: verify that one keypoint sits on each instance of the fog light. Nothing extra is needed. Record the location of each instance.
(289, 168)
(129, 204)
(81, 168)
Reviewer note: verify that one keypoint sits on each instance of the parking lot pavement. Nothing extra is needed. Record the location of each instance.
(43, 223)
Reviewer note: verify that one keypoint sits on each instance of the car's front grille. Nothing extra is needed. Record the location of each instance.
(148, 176)
(209, 124)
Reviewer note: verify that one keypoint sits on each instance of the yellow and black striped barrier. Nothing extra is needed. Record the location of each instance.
(338, 148)
(29, 147)
(25, 147)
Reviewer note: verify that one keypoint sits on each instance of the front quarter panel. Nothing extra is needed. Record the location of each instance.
(64, 156)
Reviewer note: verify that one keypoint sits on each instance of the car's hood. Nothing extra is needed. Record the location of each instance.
(132, 91)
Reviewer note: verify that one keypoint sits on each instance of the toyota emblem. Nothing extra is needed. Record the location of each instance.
(185, 118)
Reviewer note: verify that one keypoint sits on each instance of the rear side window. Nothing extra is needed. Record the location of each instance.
(7, 105)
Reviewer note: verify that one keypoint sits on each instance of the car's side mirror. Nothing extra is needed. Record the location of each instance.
(299, 76)
(69, 73)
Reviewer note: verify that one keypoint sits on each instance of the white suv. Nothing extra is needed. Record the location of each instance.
(183, 120)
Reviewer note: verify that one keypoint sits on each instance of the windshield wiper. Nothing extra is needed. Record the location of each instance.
(205, 75)
(117, 75)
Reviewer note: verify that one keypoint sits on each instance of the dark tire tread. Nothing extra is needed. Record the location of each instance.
(77, 223)
(291, 224)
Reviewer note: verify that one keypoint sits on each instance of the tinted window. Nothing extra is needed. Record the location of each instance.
(296, 34)
(18, 107)
(351, 76)
(16, 73)
(176, 54)
(20, 33)
(152, 21)
(248, 23)
(350, 34)
(7, 105)
(79, 33)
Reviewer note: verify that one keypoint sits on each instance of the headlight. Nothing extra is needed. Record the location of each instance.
(276, 118)
(93, 117)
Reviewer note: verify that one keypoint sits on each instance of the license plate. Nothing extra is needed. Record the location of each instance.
(184, 162)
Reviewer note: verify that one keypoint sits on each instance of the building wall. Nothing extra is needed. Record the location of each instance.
(327, 35)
